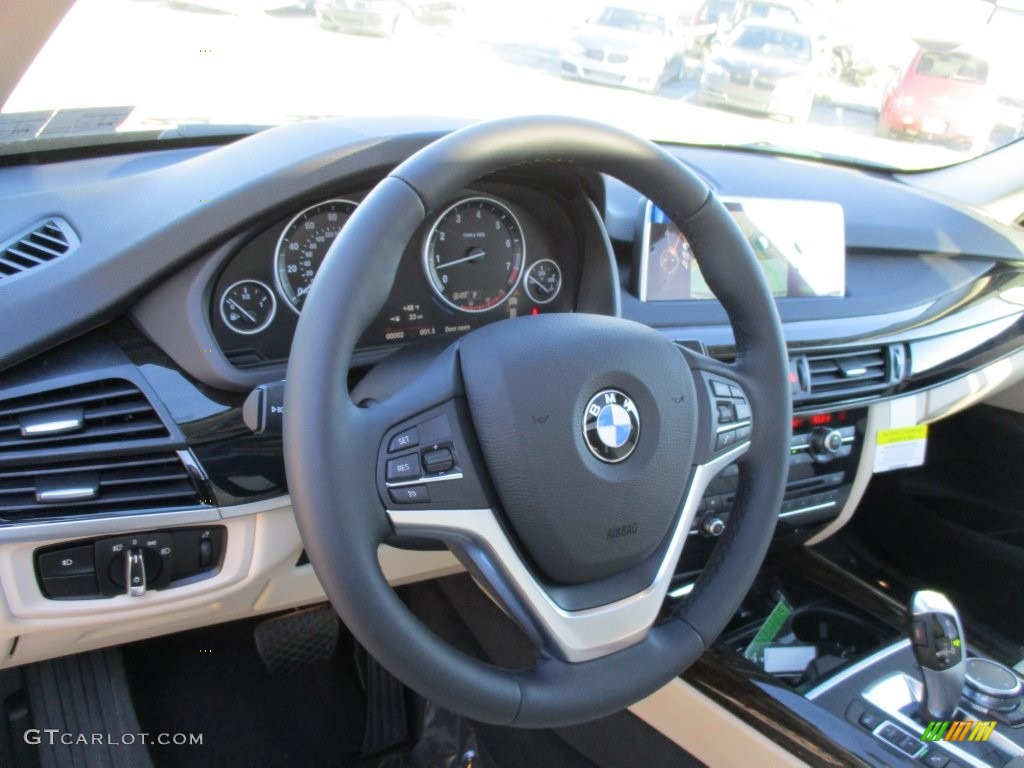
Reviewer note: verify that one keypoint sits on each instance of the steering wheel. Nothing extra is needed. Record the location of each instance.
(561, 458)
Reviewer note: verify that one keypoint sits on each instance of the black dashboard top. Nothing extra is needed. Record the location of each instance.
(187, 225)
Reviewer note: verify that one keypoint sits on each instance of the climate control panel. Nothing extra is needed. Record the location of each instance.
(824, 451)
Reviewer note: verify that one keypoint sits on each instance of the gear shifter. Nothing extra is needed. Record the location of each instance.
(937, 638)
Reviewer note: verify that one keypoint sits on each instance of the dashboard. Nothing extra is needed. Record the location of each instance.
(494, 252)
(184, 278)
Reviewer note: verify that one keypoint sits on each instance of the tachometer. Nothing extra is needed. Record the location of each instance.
(303, 245)
(474, 254)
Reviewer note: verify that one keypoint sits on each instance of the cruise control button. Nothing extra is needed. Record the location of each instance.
(405, 467)
(439, 460)
(726, 414)
(720, 388)
(742, 411)
(73, 561)
(735, 391)
(724, 440)
(410, 494)
(743, 433)
(408, 438)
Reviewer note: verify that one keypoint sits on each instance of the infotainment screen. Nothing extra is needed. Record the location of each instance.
(800, 245)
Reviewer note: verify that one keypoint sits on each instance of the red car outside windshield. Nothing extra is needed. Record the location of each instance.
(944, 95)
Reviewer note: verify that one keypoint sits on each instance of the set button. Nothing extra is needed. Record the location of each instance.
(407, 438)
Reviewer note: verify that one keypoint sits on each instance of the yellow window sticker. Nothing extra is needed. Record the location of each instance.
(902, 434)
(900, 447)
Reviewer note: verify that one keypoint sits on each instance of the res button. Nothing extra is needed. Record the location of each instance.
(405, 467)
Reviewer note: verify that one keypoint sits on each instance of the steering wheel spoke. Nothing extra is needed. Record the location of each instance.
(427, 456)
(482, 543)
(726, 411)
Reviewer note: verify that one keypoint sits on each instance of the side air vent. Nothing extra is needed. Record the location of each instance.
(92, 414)
(45, 242)
(843, 374)
(104, 486)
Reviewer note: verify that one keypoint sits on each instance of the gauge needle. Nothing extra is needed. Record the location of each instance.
(539, 284)
(249, 315)
(474, 253)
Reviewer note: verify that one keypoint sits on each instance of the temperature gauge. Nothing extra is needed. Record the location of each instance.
(543, 281)
(247, 306)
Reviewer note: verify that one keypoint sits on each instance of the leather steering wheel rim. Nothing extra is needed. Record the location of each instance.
(333, 447)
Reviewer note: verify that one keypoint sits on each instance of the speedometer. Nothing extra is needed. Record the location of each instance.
(474, 254)
(303, 245)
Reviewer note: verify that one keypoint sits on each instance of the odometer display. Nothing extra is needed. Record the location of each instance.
(474, 254)
(303, 245)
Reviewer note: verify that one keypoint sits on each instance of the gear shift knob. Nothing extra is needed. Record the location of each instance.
(937, 638)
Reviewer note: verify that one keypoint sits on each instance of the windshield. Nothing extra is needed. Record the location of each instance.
(772, 12)
(774, 42)
(632, 21)
(953, 66)
(115, 67)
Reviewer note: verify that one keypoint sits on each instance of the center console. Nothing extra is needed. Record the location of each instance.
(927, 699)
(841, 671)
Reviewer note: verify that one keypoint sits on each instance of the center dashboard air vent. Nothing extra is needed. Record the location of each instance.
(79, 416)
(843, 374)
(89, 448)
(70, 489)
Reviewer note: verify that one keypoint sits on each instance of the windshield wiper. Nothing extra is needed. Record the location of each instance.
(810, 154)
(210, 130)
(50, 123)
(56, 148)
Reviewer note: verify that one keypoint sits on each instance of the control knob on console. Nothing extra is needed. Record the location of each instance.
(713, 526)
(991, 686)
(826, 441)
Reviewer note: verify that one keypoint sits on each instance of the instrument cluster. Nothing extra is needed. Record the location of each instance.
(490, 254)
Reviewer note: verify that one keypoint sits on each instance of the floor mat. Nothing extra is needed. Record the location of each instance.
(211, 682)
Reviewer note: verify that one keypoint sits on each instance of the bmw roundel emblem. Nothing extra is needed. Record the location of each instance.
(611, 425)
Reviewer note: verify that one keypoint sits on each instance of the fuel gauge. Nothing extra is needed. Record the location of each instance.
(542, 281)
(247, 306)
